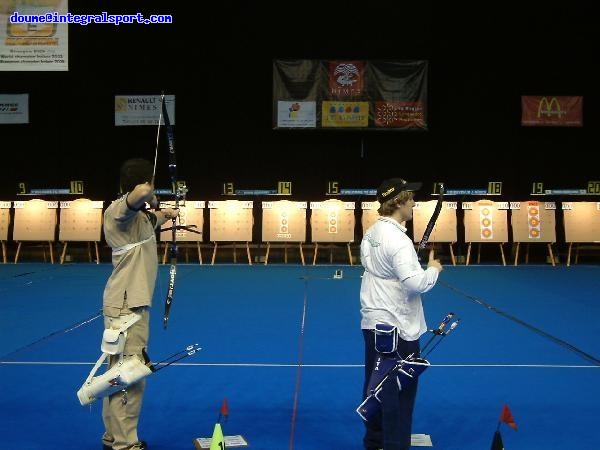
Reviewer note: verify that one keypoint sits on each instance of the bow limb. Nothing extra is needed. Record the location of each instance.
(432, 220)
(179, 196)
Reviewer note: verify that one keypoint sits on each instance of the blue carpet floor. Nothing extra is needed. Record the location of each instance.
(283, 344)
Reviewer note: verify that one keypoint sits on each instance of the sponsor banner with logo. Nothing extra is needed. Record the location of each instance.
(346, 79)
(345, 114)
(400, 115)
(296, 114)
(362, 94)
(14, 108)
(551, 111)
(33, 46)
(142, 109)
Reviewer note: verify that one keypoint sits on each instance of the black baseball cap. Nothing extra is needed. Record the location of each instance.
(393, 186)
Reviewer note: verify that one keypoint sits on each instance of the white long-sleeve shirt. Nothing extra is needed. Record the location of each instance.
(393, 280)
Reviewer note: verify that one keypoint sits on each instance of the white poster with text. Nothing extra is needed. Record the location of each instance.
(142, 109)
(14, 108)
(32, 37)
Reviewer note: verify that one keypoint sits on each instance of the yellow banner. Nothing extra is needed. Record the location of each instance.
(345, 114)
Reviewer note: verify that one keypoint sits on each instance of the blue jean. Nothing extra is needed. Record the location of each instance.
(392, 430)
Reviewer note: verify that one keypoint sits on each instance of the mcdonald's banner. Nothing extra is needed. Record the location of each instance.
(548, 111)
(350, 94)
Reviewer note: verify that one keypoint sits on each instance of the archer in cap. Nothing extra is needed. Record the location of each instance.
(392, 187)
(390, 297)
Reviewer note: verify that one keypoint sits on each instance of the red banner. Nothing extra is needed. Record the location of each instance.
(346, 78)
(547, 111)
(400, 115)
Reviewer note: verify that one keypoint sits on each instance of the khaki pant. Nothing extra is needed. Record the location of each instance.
(121, 410)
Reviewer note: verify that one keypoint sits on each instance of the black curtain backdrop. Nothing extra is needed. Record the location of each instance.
(217, 60)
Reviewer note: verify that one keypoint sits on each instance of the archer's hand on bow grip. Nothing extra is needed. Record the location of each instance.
(170, 213)
(433, 262)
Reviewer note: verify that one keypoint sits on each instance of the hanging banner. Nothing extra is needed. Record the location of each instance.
(14, 108)
(345, 114)
(296, 114)
(30, 38)
(142, 109)
(350, 94)
(548, 111)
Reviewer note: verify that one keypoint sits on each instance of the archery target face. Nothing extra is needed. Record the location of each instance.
(80, 220)
(191, 214)
(582, 221)
(284, 221)
(332, 221)
(485, 221)
(533, 221)
(4, 220)
(231, 221)
(35, 220)
(444, 229)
